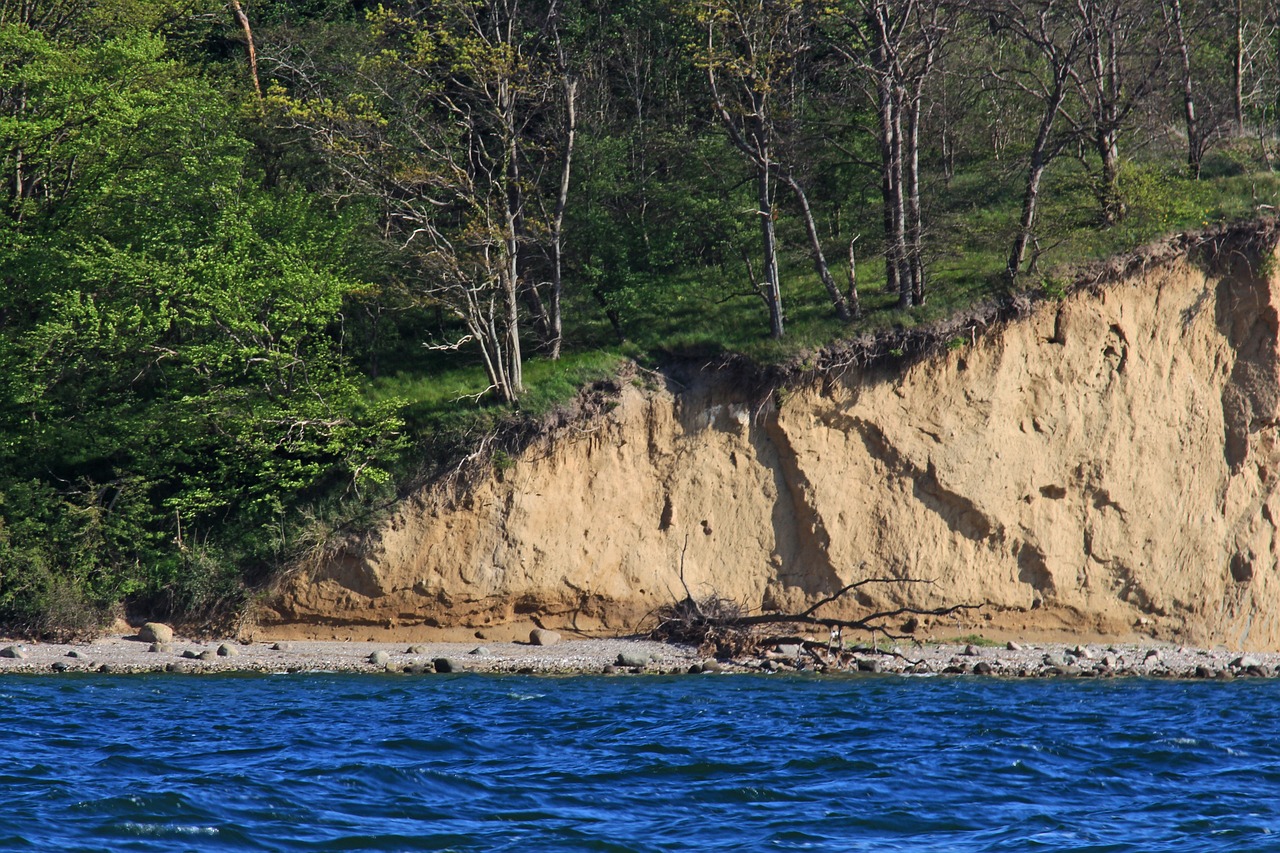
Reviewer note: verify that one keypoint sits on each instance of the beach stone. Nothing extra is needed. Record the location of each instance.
(190, 654)
(59, 666)
(379, 658)
(1013, 647)
(711, 665)
(694, 669)
(633, 659)
(790, 649)
(393, 667)
(160, 647)
(75, 653)
(106, 667)
(226, 650)
(971, 651)
(1110, 661)
(1052, 660)
(982, 668)
(417, 650)
(415, 668)
(1245, 662)
(767, 666)
(1153, 655)
(609, 669)
(207, 654)
(282, 647)
(544, 637)
(481, 651)
(15, 652)
(1203, 671)
(155, 632)
(869, 665)
(1082, 652)
(449, 665)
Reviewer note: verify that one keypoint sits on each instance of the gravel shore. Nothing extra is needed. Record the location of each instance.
(132, 655)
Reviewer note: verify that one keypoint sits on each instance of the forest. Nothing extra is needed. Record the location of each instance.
(268, 265)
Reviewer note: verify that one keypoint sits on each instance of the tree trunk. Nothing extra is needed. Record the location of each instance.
(915, 226)
(1237, 68)
(1195, 149)
(1108, 149)
(901, 255)
(769, 247)
(1035, 173)
(557, 219)
(888, 180)
(855, 306)
(243, 20)
(815, 247)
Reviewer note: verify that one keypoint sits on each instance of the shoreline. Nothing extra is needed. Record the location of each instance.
(129, 654)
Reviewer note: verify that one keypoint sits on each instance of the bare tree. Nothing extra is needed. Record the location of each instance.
(1052, 44)
(750, 52)
(435, 124)
(896, 44)
(1122, 53)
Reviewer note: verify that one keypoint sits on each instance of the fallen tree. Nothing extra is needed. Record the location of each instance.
(725, 628)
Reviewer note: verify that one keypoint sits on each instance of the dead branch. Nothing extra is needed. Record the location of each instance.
(722, 626)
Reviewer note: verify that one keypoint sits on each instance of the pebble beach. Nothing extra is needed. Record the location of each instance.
(551, 654)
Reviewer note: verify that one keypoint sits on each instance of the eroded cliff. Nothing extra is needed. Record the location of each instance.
(1105, 466)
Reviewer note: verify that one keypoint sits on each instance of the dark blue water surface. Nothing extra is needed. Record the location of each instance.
(345, 762)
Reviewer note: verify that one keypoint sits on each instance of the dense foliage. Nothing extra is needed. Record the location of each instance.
(260, 258)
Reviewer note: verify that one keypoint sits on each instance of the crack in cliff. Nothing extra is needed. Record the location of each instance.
(961, 514)
(802, 540)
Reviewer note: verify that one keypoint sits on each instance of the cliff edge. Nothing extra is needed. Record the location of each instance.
(1104, 466)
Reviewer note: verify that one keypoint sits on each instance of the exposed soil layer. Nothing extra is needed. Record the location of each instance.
(1099, 466)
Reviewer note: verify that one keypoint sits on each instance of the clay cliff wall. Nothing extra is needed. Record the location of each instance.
(1105, 466)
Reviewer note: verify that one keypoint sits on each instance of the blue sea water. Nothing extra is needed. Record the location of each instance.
(514, 763)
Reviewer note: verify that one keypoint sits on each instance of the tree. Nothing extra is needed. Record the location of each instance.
(750, 50)
(437, 124)
(1040, 66)
(169, 384)
(896, 44)
(1121, 58)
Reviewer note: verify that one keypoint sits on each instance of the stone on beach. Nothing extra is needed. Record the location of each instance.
(449, 665)
(16, 652)
(632, 659)
(155, 632)
(226, 650)
(544, 637)
(379, 658)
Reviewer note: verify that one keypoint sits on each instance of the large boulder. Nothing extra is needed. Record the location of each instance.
(544, 637)
(155, 632)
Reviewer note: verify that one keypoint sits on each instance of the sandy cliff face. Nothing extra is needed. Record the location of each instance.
(1105, 467)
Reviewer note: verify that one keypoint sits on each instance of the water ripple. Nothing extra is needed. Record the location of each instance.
(335, 762)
